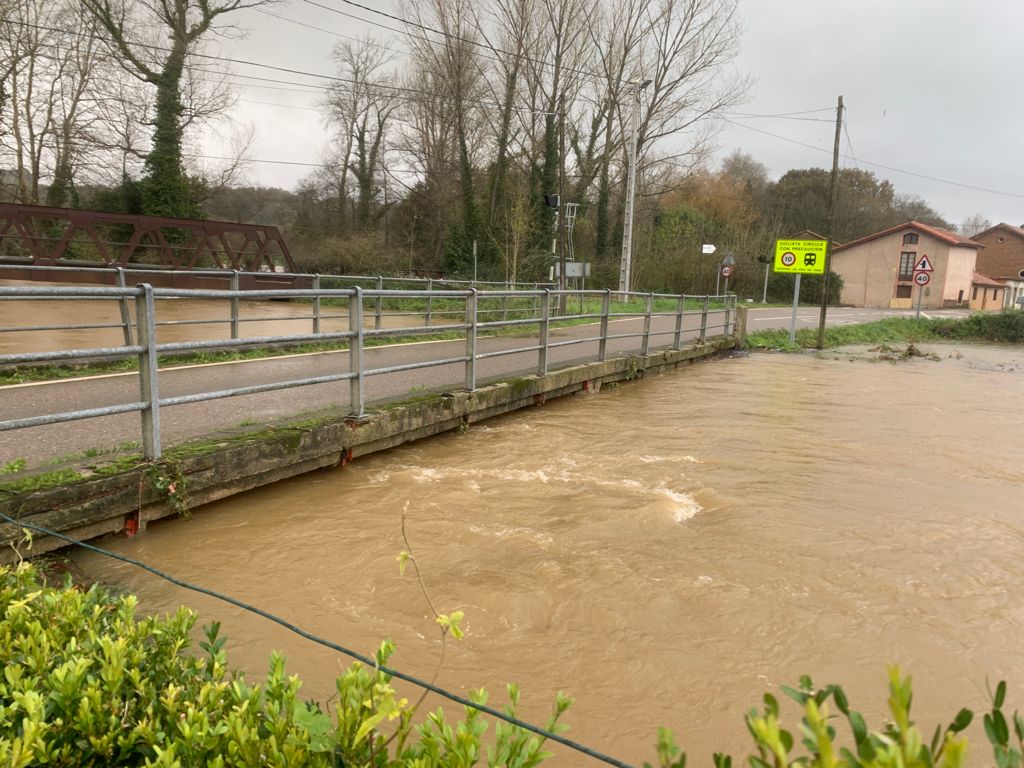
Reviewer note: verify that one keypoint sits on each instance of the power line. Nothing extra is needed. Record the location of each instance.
(880, 165)
(366, 660)
(333, 33)
(398, 89)
(748, 116)
(596, 76)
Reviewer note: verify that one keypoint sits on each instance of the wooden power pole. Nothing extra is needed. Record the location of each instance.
(831, 225)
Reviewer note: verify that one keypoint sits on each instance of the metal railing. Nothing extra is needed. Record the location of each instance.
(123, 277)
(657, 325)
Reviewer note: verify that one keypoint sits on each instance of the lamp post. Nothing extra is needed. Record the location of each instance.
(627, 227)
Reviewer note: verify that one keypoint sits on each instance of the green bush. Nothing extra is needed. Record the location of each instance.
(1002, 326)
(87, 683)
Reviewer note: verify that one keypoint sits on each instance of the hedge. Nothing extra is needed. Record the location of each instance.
(86, 682)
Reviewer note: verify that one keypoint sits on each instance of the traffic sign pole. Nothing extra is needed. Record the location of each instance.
(796, 303)
(922, 279)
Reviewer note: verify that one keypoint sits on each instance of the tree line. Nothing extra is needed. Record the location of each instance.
(446, 143)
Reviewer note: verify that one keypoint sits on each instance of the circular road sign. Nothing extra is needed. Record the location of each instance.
(788, 259)
(922, 278)
(726, 270)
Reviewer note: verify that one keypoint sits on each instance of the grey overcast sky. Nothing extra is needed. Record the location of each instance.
(932, 87)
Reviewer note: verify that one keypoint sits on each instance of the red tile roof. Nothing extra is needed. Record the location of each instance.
(983, 280)
(1004, 226)
(944, 235)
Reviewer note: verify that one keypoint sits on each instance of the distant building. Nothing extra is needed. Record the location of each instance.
(878, 270)
(1003, 259)
(987, 295)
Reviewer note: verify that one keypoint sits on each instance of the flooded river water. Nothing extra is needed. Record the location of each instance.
(664, 551)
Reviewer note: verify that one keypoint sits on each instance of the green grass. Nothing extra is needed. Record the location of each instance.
(1002, 327)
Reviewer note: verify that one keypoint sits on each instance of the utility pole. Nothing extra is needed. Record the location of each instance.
(627, 226)
(562, 283)
(831, 224)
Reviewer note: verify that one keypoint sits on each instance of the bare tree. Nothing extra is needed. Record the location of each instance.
(162, 61)
(358, 111)
(974, 225)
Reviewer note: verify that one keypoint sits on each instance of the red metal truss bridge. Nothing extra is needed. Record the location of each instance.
(170, 250)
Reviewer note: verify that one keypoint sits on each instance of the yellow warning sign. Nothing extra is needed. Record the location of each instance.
(804, 256)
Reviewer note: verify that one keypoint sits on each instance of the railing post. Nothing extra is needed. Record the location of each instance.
(380, 299)
(430, 299)
(357, 397)
(234, 304)
(649, 307)
(606, 305)
(126, 318)
(704, 319)
(471, 321)
(149, 391)
(677, 340)
(725, 326)
(316, 304)
(545, 326)
(739, 331)
(504, 305)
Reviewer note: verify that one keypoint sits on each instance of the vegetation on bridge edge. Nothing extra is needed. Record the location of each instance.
(87, 682)
(1004, 327)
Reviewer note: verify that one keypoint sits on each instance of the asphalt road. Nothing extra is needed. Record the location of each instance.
(186, 422)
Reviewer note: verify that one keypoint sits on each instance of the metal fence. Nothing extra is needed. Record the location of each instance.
(124, 277)
(141, 336)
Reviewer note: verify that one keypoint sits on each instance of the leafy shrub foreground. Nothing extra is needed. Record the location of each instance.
(86, 683)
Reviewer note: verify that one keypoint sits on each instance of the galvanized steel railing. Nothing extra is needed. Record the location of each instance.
(146, 348)
(124, 276)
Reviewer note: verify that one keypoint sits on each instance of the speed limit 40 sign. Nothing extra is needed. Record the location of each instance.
(922, 278)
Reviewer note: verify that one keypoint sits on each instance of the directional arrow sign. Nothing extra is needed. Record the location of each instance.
(924, 265)
(707, 248)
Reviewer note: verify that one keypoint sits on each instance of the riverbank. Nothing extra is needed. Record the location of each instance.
(979, 327)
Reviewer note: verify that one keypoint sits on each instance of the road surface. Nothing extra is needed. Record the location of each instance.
(185, 422)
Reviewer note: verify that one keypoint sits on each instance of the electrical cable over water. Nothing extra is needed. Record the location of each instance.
(574, 745)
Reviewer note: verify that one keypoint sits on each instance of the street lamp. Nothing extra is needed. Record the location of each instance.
(627, 227)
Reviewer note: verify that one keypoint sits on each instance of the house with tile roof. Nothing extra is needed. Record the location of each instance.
(987, 294)
(878, 270)
(1003, 259)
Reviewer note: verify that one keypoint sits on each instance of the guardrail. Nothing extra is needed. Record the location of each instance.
(123, 277)
(147, 349)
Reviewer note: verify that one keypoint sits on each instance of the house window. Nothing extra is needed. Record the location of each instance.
(903, 291)
(960, 297)
(910, 239)
(974, 295)
(907, 259)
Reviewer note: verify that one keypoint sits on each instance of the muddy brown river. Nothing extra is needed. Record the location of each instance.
(664, 551)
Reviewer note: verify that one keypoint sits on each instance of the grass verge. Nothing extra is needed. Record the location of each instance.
(1005, 327)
